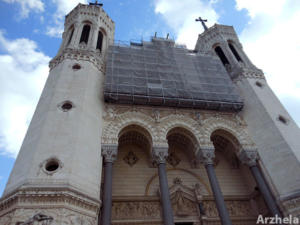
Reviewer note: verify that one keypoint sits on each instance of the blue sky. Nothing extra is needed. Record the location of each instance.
(30, 35)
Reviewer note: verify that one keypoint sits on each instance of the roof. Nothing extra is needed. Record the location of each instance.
(161, 73)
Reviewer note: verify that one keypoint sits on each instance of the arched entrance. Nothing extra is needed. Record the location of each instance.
(241, 195)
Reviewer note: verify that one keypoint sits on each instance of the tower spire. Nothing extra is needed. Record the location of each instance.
(202, 22)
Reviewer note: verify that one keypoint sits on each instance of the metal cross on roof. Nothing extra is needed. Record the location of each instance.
(96, 3)
(203, 22)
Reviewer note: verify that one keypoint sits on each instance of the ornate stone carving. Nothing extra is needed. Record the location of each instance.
(136, 210)
(206, 155)
(119, 117)
(198, 192)
(248, 157)
(156, 115)
(160, 154)
(199, 118)
(114, 125)
(240, 208)
(131, 158)
(236, 208)
(76, 54)
(228, 124)
(292, 206)
(109, 152)
(172, 159)
(182, 206)
(239, 120)
(61, 216)
(43, 198)
(109, 113)
(37, 218)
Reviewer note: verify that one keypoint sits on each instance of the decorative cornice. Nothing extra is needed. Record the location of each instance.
(91, 11)
(35, 197)
(109, 152)
(81, 55)
(242, 73)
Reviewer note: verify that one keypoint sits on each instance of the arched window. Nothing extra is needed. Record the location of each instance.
(71, 35)
(221, 55)
(99, 41)
(85, 34)
(237, 56)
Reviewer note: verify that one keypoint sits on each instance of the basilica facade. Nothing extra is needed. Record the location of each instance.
(153, 133)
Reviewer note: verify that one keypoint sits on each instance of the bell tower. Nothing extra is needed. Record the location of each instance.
(58, 170)
(271, 127)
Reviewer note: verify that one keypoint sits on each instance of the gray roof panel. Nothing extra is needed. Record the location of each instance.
(158, 73)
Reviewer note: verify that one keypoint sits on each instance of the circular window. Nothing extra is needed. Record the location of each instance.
(283, 120)
(76, 67)
(259, 84)
(52, 165)
(66, 106)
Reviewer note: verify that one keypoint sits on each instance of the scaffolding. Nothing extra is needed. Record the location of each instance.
(162, 73)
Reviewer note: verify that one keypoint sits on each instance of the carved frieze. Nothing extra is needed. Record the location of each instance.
(235, 208)
(82, 54)
(136, 210)
(43, 198)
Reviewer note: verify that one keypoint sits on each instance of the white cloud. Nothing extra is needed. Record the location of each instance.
(28, 5)
(255, 7)
(63, 7)
(271, 40)
(180, 16)
(24, 70)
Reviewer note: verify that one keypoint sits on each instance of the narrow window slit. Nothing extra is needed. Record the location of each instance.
(99, 41)
(235, 53)
(85, 34)
(222, 56)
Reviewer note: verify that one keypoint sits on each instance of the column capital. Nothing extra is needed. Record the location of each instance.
(159, 154)
(206, 155)
(248, 156)
(109, 152)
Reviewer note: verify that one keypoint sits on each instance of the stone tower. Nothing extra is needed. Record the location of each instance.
(153, 133)
(53, 169)
(274, 132)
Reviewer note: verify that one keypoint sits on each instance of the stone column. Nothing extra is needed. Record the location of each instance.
(159, 156)
(206, 156)
(109, 153)
(93, 38)
(76, 35)
(249, 158)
